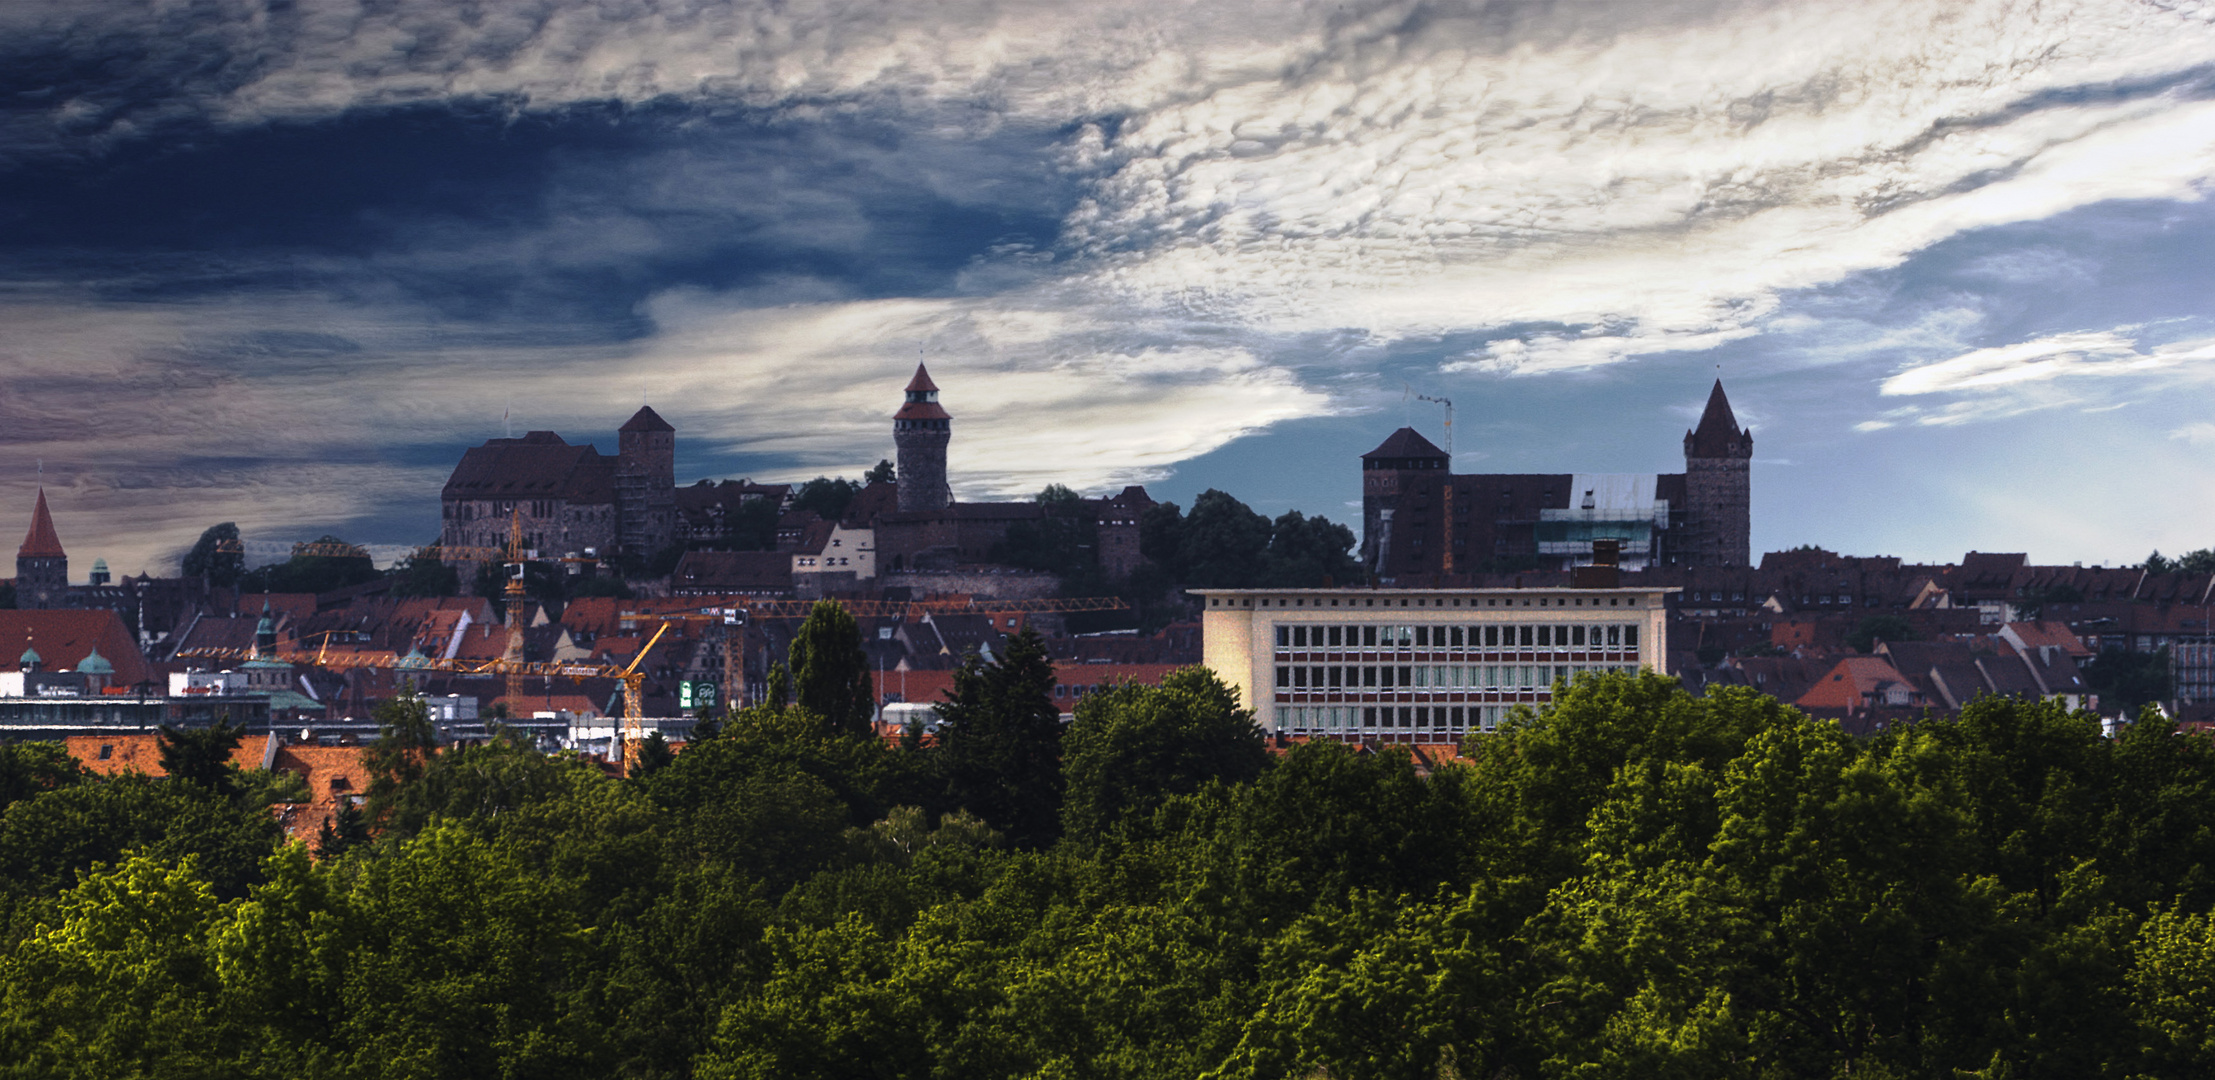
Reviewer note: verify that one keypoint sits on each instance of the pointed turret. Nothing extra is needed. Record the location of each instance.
(1718, 434)
(42, 542)
(41, 566)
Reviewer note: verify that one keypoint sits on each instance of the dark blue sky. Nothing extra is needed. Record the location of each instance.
(280, 263)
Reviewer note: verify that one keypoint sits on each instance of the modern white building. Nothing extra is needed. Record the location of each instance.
(1419, 665)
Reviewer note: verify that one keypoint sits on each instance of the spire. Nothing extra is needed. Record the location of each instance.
(921, 383)
(41, 542)
(265, 632)
(646, 419)
(1718, 434)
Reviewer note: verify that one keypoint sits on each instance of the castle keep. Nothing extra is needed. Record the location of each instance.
(1422, 520)
(568, 497)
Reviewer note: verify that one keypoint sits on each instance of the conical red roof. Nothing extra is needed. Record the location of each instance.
(41, 542)
(921, 382)
(1718, 428)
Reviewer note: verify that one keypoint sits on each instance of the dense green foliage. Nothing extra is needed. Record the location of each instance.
(308, 573)
(1632, 883)
(2191, 562)
(219, 568)
(1223, 543)
(830, 673)
(2130, 679)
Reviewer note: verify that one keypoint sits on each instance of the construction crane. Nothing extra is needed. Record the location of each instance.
(1449, 425)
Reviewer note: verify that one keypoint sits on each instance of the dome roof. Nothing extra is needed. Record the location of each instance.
(95, 664)
(30, 658)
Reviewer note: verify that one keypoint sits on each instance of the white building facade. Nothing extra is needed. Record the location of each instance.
(1419, 665)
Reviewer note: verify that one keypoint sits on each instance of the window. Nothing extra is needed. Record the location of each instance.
(1284, 637)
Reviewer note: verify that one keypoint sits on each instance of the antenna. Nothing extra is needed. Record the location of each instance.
(1449, 424)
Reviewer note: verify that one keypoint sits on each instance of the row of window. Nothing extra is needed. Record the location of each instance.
(1432, 676)
(1372, 719)
(1489, 636)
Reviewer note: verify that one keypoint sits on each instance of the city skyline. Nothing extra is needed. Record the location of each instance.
(281, 267)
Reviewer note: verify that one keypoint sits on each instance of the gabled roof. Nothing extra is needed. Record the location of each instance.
(64, 638)
(41, 542)
(645, 419)
(1718, 428)
(1405, 443)
(538, 465)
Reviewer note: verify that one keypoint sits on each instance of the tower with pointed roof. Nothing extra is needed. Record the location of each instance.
(921, 430)
(1403, 460)
(1718, 488)
(41, 566)
(646, 483)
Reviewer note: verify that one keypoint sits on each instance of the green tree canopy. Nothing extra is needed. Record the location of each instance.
(219, 568)
(1132, 747)
(830, 673)
(1875, 628)
(202, 755)
(1001, 742)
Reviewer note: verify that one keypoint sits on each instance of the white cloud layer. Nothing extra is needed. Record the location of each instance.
(1584, 183)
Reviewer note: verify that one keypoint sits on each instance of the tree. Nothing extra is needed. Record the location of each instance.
(1877, 628)
(424, 577)
(345, 830)
(2129, 679)
(1133, 747)
(1307, 553)
(825, 496)
(881, 473)
(406, 739)
(753, 526)
(311, 573)
(220, 569)
(1002, 741)
(654, 755)
(202, 756)
(1224, 544)
(830, 673)
(31, 768)
(1063, 540)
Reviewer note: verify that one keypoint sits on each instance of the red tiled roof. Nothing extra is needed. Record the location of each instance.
(1847, 685)
(41, 542)
(921, 383)
(65, 638)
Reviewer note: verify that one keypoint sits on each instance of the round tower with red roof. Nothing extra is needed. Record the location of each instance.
(921, 430)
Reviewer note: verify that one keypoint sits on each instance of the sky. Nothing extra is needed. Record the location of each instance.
(279, 263)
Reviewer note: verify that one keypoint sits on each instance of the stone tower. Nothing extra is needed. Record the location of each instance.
(1718, 488)
(41, 566)
(1402, 459)
(921, 430)
(646, 483)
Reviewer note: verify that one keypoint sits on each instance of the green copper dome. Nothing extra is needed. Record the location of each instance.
(95, 664)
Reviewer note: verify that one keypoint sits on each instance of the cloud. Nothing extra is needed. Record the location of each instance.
(2084, 354)
(2199, 434)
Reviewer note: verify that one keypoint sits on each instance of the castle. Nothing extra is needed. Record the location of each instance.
(1421, 521)
(918, 525)
(569, 498)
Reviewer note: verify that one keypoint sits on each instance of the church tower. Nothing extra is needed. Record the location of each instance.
(1718, 487)
(921, 430)
(41, 566)
(646, 483)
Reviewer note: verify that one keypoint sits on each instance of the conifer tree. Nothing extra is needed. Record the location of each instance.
(830, 673)
(1002, 742)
